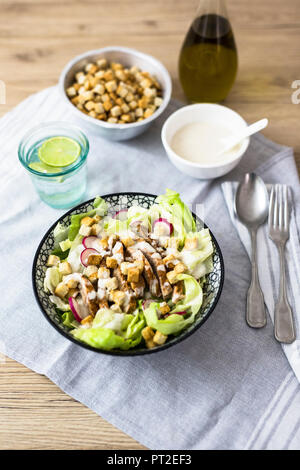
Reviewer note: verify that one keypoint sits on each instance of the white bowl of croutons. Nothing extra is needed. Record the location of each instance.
(117, 91)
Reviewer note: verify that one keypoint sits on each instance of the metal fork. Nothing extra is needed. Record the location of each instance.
(279, 234)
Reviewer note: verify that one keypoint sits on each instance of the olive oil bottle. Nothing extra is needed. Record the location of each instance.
(208, 58)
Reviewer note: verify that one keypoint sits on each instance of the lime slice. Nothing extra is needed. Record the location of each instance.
(59, 151)
(42, 168)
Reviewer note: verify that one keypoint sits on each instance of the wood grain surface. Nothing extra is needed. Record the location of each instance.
(37, 38)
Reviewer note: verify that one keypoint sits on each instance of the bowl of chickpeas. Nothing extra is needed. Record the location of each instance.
(118, 91)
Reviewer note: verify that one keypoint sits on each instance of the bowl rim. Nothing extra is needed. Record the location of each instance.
(134, 352)
(236, 157)
(128, 51)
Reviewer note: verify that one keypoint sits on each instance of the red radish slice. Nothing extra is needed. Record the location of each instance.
(85, 255)
(164, 227)
(175, 313)
(90, 242)
(121, 214)
(74, 306)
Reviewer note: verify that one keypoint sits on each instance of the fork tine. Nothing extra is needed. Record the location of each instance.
(286, 207)
(275, 220)
(280, 205)
(271, 208)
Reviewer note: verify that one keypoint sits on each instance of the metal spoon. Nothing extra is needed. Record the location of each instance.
(251, 206)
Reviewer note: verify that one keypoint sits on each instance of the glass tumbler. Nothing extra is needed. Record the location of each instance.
(66, 186)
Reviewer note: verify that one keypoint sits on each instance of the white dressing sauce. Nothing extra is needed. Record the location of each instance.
(200, 142)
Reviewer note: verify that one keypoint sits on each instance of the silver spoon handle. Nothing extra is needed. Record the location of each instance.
(283, 322)
(255, 310)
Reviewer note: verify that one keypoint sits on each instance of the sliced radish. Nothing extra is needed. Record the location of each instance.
(74, 307)
(91, 242)
(85, 255)
(175, 313)
(162, 227)
(121, 214)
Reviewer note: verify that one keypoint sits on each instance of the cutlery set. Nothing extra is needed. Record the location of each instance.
(253, 208)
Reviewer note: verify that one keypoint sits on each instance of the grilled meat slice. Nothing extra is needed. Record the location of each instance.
(149, 275)
(158, 266)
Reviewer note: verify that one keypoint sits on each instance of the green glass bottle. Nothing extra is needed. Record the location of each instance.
(208, 59)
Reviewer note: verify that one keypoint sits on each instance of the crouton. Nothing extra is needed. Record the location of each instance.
(124, 267)
(85, 230)
(125, 108)
(96, 229)
(73, 292)
(128, 241)
(65, 268)
(111, 85)
(61, 290)
(93, 277)
(147, 333)
(71, 91)
(103, 273)
(107, 105)
(164, 308)
(158, 101)
(102, 63)
(104, 243)
(172, 277)
(117, 296)
(116, 111)
(133, 274)
(71, 284)
(112, 284)
(180, 268)
(94, 260)
(86, 320)
(91, 68)
(90, 270)
(89, 105)
(53, 260)
(159, 338)
(148, 113)
(150, 344)
(111, 262)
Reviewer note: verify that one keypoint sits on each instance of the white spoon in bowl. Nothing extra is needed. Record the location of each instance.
(231, 141)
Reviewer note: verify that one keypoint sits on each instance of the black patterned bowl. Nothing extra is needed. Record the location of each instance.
(211, 292)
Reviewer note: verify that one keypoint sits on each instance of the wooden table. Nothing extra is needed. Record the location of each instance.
(37, 38)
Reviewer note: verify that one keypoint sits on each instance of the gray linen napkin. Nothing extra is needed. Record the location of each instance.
(225, 387)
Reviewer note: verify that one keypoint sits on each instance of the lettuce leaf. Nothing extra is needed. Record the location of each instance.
(104, 338)
(69, 320)
(60, 233)
(180, 215)
(52, 278)
(198, 261)
(115, 226)
(60, 304)
(112, 330)
(175, 323)
(100, 208)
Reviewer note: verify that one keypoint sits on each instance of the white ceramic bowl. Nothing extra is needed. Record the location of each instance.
(127, 57)
(209, 113)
